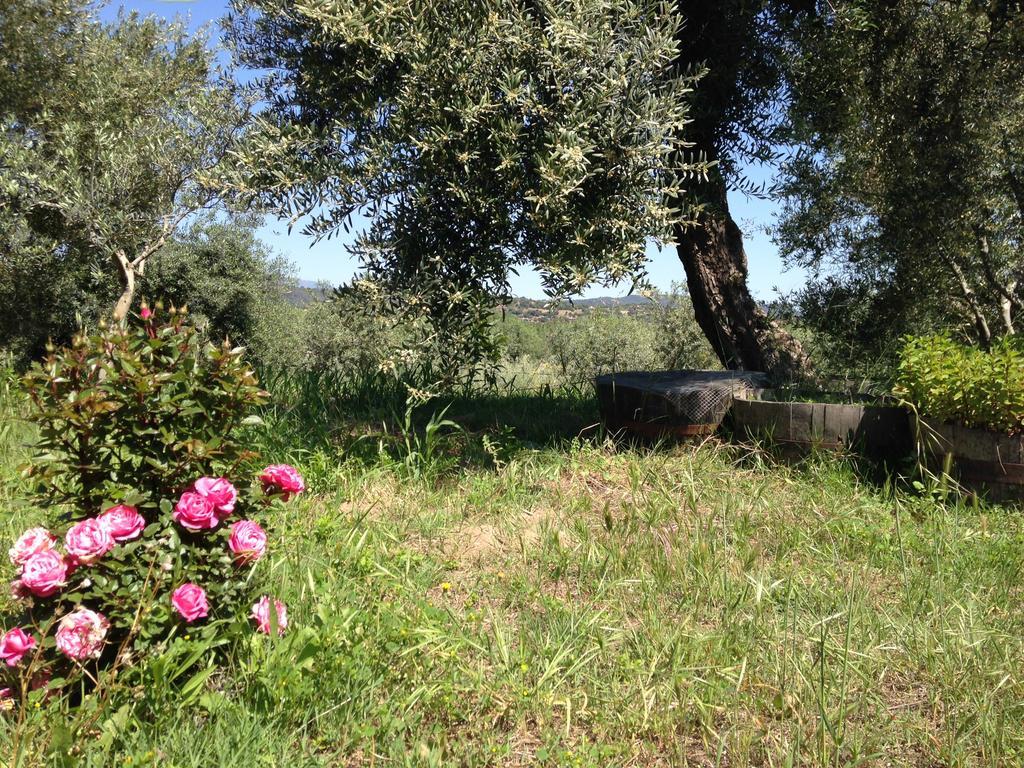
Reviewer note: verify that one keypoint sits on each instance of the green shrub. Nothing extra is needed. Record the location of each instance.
(134, 414)
(678, 340)
(233, 284)
(949, 381)
(601, 341)
(339, 336)
(141, 447)
(521, 339)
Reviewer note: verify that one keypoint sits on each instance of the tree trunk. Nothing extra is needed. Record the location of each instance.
(124, 302)
(1006, 293)
(740, 332)
(711, 248)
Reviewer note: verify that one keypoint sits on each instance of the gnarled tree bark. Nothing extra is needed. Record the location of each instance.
(740, 332)
(129, 270)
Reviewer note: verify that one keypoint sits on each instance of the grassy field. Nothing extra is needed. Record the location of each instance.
(521, 591)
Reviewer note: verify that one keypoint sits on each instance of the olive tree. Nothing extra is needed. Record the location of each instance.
(108, 133)
(738, 118)
(907, 199)
(480, 137)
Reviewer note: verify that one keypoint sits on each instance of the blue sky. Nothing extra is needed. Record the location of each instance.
(328, 260)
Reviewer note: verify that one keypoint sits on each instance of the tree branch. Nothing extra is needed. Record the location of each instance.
(1008, 299)
(984, 332)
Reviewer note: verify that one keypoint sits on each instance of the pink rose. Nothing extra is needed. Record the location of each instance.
(44, 573)
(6, 700)
(146, 312)
(248, 541)
(261, 613)
(190, 601)
(283, 479)
(31, 542)
(88, 541)
(219, 492)
(14, 644)
(195, 512)
(81, 634)
(122, 523)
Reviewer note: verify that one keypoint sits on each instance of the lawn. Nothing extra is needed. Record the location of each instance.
(523, 591)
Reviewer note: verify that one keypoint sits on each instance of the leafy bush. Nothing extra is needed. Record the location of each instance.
(340, 336)
(952, 382)
(140, 447)
(134, 414)
(853, 329)
(52, 295)
(659, 335)
(599, 342)
(521, 339)
(678, 340)
(233, 283)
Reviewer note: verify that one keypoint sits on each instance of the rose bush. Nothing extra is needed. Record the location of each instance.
(152, 501)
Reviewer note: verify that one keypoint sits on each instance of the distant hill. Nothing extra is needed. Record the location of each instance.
(539, 310)
(306, 292)
(612, 301)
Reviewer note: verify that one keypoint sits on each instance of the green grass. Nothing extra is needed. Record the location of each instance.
(521, 592)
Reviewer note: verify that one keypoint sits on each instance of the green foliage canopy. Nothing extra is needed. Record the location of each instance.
(233, 284)
(480, 137)
(908, 195)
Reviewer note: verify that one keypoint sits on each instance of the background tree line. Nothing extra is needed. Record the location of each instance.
(549, 134)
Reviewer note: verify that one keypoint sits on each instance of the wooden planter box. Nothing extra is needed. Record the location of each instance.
(990, 463)
(881, 432)
(670, 404)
